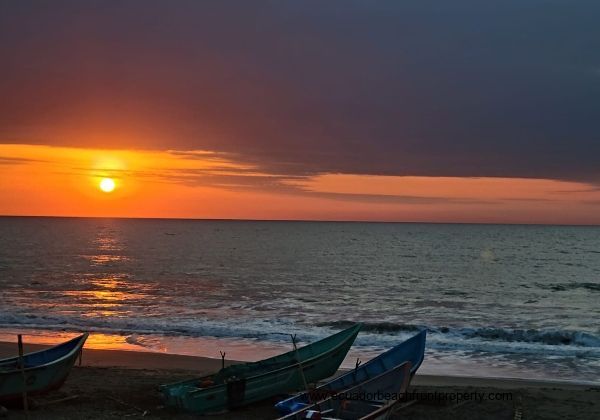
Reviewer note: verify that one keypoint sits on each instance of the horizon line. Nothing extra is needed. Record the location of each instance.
(192, 219)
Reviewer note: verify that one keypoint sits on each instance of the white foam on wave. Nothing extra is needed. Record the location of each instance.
(487, 339)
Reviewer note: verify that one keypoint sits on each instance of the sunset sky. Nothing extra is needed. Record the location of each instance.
(463, 111)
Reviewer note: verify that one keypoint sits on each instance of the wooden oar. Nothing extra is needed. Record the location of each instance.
(22, 369)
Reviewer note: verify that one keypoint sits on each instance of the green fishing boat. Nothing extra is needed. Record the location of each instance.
(242, 384)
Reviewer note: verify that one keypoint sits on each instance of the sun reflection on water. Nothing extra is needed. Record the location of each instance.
(107, 248)
(106, 290)
(95, 340)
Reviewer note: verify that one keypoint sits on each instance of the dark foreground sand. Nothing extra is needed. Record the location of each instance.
(122, 384)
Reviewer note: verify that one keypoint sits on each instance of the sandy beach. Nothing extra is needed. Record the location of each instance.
(122, 384)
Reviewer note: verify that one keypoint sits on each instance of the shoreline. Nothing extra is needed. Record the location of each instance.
(133, 359)
(436, 364)
(123, 384)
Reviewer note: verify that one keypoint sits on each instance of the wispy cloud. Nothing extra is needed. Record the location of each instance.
(16, 160)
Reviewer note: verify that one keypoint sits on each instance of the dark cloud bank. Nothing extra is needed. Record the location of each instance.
(461, 88)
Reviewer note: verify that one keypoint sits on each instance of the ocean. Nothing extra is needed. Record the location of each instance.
(497, 300)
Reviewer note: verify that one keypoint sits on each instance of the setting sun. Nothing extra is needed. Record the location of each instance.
(107, 185)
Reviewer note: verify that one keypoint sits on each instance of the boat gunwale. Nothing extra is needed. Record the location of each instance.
(389, 405)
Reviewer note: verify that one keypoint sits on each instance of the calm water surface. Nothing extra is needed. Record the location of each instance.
(518, 301)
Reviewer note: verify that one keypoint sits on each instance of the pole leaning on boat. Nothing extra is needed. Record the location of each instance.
(22, 369)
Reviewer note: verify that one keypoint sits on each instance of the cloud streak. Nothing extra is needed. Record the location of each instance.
(462, 88)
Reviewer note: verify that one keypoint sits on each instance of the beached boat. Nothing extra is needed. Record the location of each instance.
(374, 399)
(241, 384)
(44, 370)
(411, 350)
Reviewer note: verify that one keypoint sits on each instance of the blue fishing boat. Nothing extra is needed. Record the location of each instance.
(374, 399)
(411, 350)
(42, 371)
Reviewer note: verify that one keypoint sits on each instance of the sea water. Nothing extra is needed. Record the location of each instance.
(497, 300)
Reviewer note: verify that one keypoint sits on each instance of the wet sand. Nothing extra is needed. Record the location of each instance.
(123, 384)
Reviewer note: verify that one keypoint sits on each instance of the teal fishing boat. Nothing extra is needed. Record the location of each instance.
(43, 370)
(242, 384)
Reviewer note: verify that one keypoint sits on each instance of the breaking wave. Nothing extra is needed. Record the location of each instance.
(374, 335)
(508, 335)
(549, 337)
(562, 287)
(376, 327)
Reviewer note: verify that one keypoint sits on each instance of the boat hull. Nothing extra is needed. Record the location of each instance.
(256, 382)
(374, 399)
(44, 371)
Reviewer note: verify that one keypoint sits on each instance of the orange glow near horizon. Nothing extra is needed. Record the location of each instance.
(66, 181)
